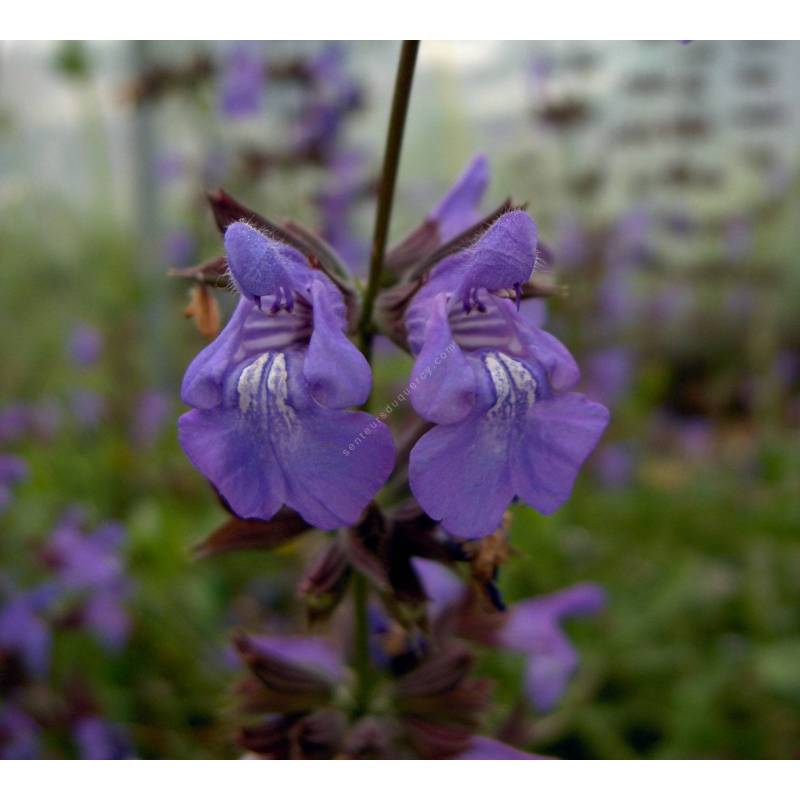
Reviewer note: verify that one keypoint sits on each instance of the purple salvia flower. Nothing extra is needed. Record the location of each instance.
(105, 615)
(614, 466)
(608, 374)
(152, 412)
(458, 210)
(92, 565)
(335, 205)
(481, 748)
(243, 80)
(179, 248)
(496, 386)
(268, 425)
(533, 628)
(100, 740)
(22, 629)
(572, 246)
(14, 423)
(19, 734)
(87, 561)
(85, 345)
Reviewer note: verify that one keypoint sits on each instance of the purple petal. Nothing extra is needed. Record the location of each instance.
(260, 266)
(316, 655)
(482, 748)
(250, 332)
(442, 586)
(22, 631)
(558, 436)
(458, 209)
(338, 375)
(99, 740)
(104, 614)
(443, 385)
(243, 80)
(460, 473)
(532, 627)
(519, 440)
(271, 443)
(503, 257)
(549, 671)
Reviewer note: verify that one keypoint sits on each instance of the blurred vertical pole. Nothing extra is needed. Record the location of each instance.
(148, 232)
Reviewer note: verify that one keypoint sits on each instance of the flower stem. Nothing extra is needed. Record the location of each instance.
(391, 161)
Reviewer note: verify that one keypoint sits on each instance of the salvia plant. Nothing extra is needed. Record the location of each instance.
(85, 593)
(282, 423)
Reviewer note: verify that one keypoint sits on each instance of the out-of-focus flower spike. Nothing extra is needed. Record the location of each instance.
(311, 736)
(481, 748)
(252, 534)
(294, 673)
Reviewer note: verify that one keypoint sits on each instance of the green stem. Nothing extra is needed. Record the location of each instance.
(391, 161)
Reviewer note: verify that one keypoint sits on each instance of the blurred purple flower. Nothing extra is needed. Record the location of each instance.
(695, 436)
(333, 95)
(19, 734)
(268, 424)
(482, 748)
(534, 628)
(153, 409)
(738, 239)
(243, 80)
(169, 167)
(85, 345)
(531, 627)
(608, 374)
(14, 423)
(572, 246)
(613, 466)
(88, 408)
(179, 248)
(335, 205)
(497, 387)
(100, 740)
(23, 630)
(92, 565)
(458, 209)
(87, 561)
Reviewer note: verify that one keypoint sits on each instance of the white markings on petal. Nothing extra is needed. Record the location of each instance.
(514, 386)
(250, 382)
(524, 382)
(502, 385)
(278, 390)
(263, 388)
